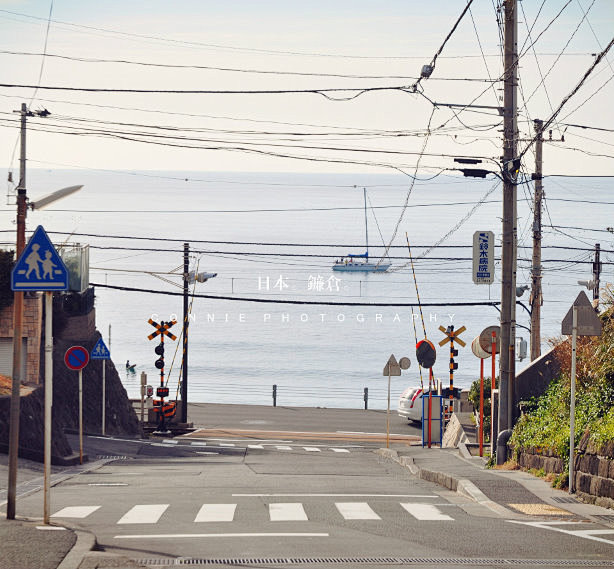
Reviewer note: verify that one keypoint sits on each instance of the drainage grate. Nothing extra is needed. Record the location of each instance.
(467, 562)
(565, 500)
(112, 457)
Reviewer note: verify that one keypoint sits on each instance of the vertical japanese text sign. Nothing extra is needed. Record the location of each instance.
(483, 257)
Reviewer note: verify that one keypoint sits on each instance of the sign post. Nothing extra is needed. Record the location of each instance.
(76, 358)
(101, 352)
(580, 320)
(391, 368)
(33, 273)
(483, 257)
(426, 356)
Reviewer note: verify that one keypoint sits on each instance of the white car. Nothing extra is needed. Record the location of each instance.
(410, 404)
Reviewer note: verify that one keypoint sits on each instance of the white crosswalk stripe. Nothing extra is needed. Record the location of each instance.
(278, 512)
(143, 514)
(75, 512)
(312, 449)
(426, 512)
(283, 447)
(216, 513)
(287, 512)
(356, 511)
(339, 450)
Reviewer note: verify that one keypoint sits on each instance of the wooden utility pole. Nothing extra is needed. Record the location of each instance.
(507, 370)
(536, 300)
(596, 275)
(186, 317)
(17, 328)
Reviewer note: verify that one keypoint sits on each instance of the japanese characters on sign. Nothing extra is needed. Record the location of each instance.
(483, 257)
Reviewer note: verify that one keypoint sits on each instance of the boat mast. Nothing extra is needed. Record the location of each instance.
(364, 192)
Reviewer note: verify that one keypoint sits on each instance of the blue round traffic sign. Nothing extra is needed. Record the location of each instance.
(76, 358)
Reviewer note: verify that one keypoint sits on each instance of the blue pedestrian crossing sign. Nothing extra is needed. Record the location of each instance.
(39, 266)
(100, 351)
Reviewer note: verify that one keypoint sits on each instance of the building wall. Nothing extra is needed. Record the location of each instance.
(32, 327)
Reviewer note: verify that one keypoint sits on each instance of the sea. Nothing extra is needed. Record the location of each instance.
(272, 238)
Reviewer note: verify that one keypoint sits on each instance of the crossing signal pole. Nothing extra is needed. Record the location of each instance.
(162, 329)
(452, 336)
(596, 274)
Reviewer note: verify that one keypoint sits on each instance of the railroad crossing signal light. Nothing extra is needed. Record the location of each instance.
(453, 365)
(159, 363)
(453, 353)
(159, 349)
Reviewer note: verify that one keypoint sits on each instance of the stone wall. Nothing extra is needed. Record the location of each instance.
(32, 322)
(594, 472)
(593, 469)
(539, 459)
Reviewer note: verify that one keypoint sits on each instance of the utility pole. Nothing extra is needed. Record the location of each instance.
(596, 274)
(186, 316)
(17, 328)
(536, 300)
(507, 370)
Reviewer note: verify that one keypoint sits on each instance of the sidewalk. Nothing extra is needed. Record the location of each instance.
(509, 493)
(28, 543)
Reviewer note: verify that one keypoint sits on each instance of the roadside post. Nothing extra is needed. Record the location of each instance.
(426, 356)
(143, 393)
(490, 343)
(580, 320)
(76, 358)
(50, 276)
(391, 368)
(478, 352)
(101, 352)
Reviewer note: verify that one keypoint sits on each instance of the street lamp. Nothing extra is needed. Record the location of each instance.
(22, 205)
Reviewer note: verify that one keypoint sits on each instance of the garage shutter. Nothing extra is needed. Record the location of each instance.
(6, 357)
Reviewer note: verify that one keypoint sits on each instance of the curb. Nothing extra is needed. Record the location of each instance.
(461, 486)
(86, 541)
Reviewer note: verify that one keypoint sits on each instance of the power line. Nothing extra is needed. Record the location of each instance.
(298, 302)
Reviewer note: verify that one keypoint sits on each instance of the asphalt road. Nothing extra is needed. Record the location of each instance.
(258, 504)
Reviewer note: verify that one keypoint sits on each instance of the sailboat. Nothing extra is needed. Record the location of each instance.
(360, 262)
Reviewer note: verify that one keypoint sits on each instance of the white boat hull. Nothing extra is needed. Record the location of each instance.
(361, 267)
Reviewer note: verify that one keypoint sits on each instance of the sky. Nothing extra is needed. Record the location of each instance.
(273, 45)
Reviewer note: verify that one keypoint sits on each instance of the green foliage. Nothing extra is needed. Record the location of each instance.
(6, 266)
(545, 425)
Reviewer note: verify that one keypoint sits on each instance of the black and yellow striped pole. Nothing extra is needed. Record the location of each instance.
(452, 336)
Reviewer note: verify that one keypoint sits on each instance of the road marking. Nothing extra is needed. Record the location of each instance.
(426, 512)
(226, 444)
(170, 441)
(256, 446)
(143, 514)
(52, 528)
(283, 447)
(313, 449)
(356, 511)
(216, 513)
(198, 444)
(75, 512)
(107, 484)
(339, 495)
(339, 450)
(287, 512)
(205, 452)
(202, 535)
(584, 534)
